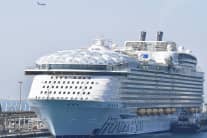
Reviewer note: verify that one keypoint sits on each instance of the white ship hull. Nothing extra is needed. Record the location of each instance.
(79, 118)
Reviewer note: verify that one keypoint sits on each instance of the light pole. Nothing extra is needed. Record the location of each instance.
(20, 94)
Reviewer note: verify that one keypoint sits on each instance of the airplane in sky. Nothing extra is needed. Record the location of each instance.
(41, 3)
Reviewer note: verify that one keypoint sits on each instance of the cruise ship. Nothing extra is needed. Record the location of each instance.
(109, 90)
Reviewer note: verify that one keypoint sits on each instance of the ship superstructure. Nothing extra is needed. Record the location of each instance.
(107, 90)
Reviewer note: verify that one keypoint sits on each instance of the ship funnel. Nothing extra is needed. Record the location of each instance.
(159, 36)
(143, 36)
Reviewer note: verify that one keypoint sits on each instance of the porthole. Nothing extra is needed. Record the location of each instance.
(43, 86)
(56, 77)
(71, 87)
(54, 92)
(48, 86)
(86, 87)
(88, 93)
(78, 92)
(45, 92)
(84, 92)
(66, 98)
(89, 77)
(52, 86)
(84, 77)
(61, 87)
(79, 77)
(81, 98)
(51, 77)
(58, 82)
(49, 81)
(54, 82)
(56, 86)
(66, 77)
(61, 77)
(66, 87)
(41, 92)
(45, 81)
(77, 82)
(80, 87)
(68, 82)
(92, 82)
(63, 82)
(72, 82)
(59, 92)
(68, 92)
(87, 82)
(63, 92)
(75, 87)
(82, 82)
(90, 87)
(74, 77)
(50, 92)
(73, 92)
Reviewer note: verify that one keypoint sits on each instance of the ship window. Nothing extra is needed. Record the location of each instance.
(61, 86)
(73, 92)
(77, 82)
(45, 81)
(68, 82)
(59, 92)
(41, 92)
(66, 77)
(84, 77)
(48, 86)
(56, 77)
(43, 86)
(74, 77)
(50, 92)
(84, 92)
(87, 82)
(90, 87)
(79, 77)
(66, 87)
(61, 77)
(80, 87)
(89, 77)
(72, 82)
(78, 92)
(75, 87)
(86, 87)
(45, 92)
(51, 77)
(66, 98)
(58, 82)
(56, 86)
(86, 98)
(49, 81)
(92, 82)
(63, 82)
(81, 98)
(54, 81)
(54, 92)
(71, 87)
(52, 86)
(82, 82)
(68, 92)
(63, 92)
(88, 93)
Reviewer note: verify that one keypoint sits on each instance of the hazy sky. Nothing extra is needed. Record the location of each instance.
(28, 31)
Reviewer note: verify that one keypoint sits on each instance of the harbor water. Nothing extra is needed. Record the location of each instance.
(167, 135)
